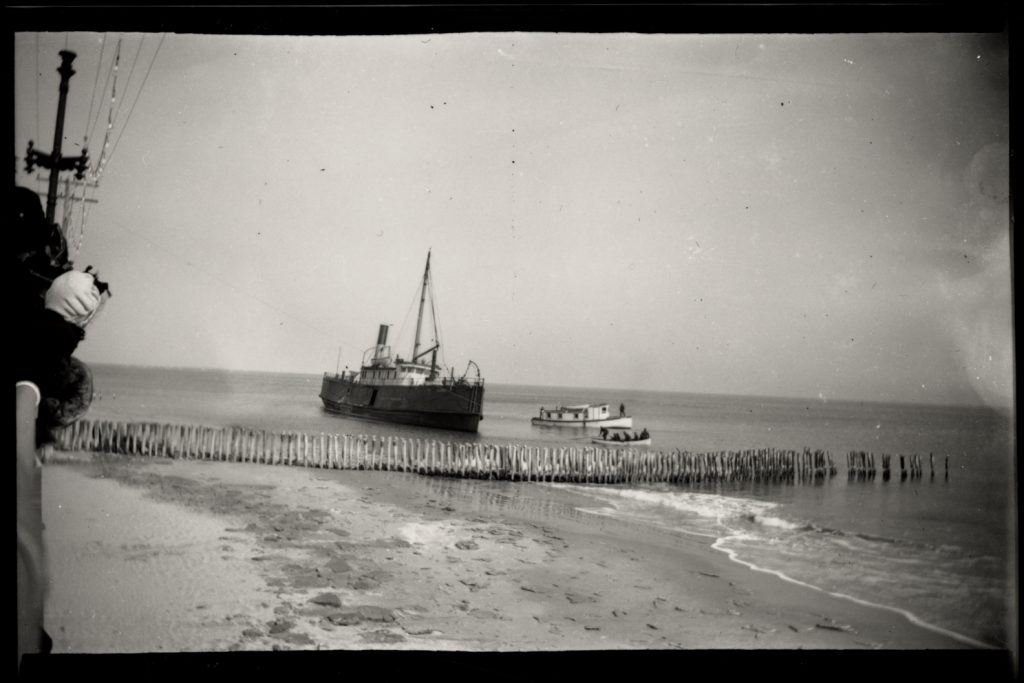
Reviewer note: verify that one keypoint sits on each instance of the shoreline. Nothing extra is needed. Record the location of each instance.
(283, 558)
(906, 614)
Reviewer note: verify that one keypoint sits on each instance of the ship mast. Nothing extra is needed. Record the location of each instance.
(419, 318)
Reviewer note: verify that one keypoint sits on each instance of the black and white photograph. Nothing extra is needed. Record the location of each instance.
(493, 338)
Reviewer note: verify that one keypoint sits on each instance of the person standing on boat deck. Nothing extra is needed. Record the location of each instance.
(622, 410)
(52, 304)
(604, 432)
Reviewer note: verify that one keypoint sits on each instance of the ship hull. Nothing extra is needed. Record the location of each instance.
(454, 406)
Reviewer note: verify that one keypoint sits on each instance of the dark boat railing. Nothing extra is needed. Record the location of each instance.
(353, 376)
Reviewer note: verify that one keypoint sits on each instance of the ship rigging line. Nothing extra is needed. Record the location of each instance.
(37, 86)
(95, 83)
(111, 73)
(137, 95)
(433, 317)
(400, 337)
(95, 175)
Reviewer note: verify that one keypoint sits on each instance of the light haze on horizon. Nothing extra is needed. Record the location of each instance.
(821, 216)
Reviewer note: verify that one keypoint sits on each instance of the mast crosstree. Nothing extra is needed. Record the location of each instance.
(54, 160)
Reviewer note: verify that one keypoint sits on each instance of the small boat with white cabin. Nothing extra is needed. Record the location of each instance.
(620, 437)
(584, 415)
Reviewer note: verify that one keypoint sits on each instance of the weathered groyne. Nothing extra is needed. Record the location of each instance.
(487, 461)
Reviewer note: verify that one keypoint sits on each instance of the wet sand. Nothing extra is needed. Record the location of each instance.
(157, 555)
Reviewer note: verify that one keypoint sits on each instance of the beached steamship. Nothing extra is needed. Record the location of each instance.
(414, 392)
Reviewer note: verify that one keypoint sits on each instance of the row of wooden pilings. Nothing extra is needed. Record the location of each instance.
(861, 465)
(426, 456)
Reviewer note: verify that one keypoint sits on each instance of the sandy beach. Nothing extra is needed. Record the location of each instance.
(183, 556)
(176, 555)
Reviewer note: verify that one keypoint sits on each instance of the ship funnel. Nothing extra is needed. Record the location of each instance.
(380, 350)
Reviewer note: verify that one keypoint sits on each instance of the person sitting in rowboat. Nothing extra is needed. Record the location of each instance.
(645, 434)
(604, 432)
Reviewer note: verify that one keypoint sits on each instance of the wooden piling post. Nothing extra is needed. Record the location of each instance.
(515, 462)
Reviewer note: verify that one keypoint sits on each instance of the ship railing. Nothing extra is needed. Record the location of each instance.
(348, 374)
(462, 381)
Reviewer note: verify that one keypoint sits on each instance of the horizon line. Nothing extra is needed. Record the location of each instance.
(1009, 407)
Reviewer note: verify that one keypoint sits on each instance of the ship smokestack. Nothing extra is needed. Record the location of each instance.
(382, 340)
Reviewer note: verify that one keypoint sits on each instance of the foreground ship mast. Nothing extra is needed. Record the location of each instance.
(55, 161)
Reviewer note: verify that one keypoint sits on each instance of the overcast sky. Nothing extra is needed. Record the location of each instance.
(796, 215)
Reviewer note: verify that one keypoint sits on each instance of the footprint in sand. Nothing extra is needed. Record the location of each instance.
(327, 599)
(382, 636)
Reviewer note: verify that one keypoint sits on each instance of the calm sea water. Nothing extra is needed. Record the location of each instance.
(941, 550)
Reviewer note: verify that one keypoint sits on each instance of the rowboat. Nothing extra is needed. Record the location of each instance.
(625, 438)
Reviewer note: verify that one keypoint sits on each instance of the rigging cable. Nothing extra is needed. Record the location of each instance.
(92, 123)
(85, 217)
(67, 208)
(83, 186)
(141, 87)
(401, 336)
(437, 331)
(95, 83)
(75, 245)
(38, 113)
(110, 116)
(128, 82)
(108, 149)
